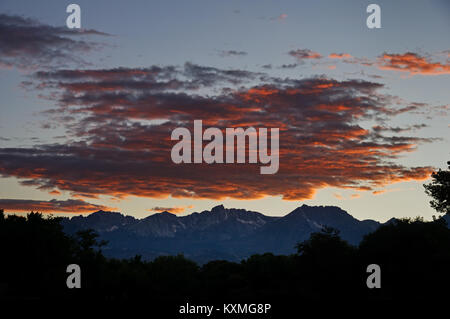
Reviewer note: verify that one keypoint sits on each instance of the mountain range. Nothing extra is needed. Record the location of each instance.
(221, 233)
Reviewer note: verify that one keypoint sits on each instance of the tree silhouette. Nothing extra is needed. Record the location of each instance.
(87, 240)
(414, 256)
(328, 264)
(439, 189)
(326, 243)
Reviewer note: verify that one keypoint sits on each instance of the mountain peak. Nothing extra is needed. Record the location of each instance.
(166, 213)
(323, 215)
(217, 208)
(104, 213)
(328, 208)
(101, 212)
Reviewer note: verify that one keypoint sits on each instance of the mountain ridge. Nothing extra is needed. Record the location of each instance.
(219, 233)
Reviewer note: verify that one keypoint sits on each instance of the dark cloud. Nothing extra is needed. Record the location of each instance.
(398, 129)
(228, 53)
(302, 54)
(28, 44)
(170, 78)
(210, 76)
(289, 66)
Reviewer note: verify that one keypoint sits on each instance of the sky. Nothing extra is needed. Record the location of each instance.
(86, 114)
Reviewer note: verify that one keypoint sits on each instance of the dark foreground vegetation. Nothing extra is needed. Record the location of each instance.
(414, 257)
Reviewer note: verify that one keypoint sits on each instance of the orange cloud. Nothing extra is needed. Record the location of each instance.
(51, 206)
(173, 210)
(323, 138)
(339, 56)
(338, 196)
(412, 63)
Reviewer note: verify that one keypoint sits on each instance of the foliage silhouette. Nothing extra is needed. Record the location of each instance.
(439, 189)
(414, 256)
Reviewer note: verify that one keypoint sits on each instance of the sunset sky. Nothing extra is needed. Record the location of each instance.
(86, 115)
